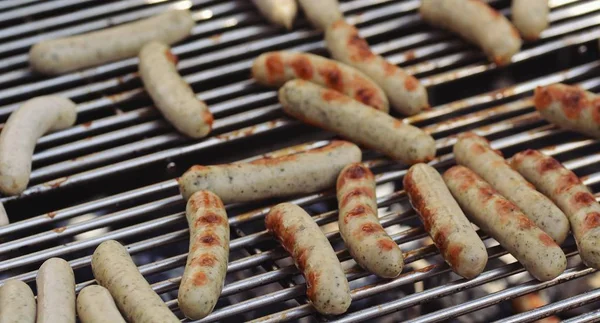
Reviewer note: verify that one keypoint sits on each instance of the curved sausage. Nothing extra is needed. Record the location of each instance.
(172, 95)
(206, 266)
(445, 222)
(569, 107)
(405, 93)
(278, 12)
(327, 286)
(475, 153)
(503, 220)
(17, 303)
(330, 110)
(21, 132)
(56, 292)
(367, 241)
(478, 23)
(321, 13)
(570, 194)
(115, 270)
(63, 55)
(96, 305)
(530, 17)
(276, 68)
(301, 173)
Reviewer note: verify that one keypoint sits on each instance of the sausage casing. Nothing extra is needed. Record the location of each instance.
(570, 194)
(405, 92)
(276, 68)
(530, 17)
(63, 55)
(475, 153)
(330, 110)
(206, 266)
(478, 23)
(172, 95)
(503, 220)
(445, 222)
(327, 286)
(56, 292)
(569, 107)
(115, 270)
(321, 13)
(17, 303)
(279, 12)
(96, 305)
(367, 241)
(302, 173)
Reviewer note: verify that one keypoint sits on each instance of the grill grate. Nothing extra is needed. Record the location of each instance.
(112, 175)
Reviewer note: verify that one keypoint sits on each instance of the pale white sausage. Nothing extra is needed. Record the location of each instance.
(56, 292)
(530, 17)
(21, 132)
(17, 303)
(321, 13)
(278, 12)
(96, 305)
(63, 55)
(171, 94)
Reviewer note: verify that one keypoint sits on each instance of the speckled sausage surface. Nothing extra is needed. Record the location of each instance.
(503, 221)
(206, 266)
(530, 17)
(56, 292)
(445, 222)
(475, 153)
(64, 55)
(115, 270)
(19, 136)
(302, 173)
(321, 13)
(96, 305)
(405, 92)
(327, 286)
(569, 107)
(368, 243)
(171, 94)
(278, 12)
(478, 23)
(276, 68)
(570, 194)
(330, 110)
(17, 303)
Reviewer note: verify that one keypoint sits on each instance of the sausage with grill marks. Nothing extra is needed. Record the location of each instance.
(570, 194)
(321, 13)
(445, 222)
(475, 153)
(206, 266)
(405, 92)
(56, 292)
(63, 55)
(172, 95)
(330, 110)
(279, 12)
(503, 220)
(115, 270)
(367, 241)
(276, 68)
(302, 173)
(327, 286)
(17, 303)
(96, 305)
(569, 107)
(478, 23)
(530, 17)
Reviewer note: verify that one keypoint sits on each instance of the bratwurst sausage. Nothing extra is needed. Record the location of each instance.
(276, 68)
(475, 153)
(278, 12)
(445, 222)
(503, 220)
(530, 17)
(302, 173)
(17, 303)
(570, 194)
(321, 13)
(327, 286)
(330, 110)
(56, 292)
(96, 305)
